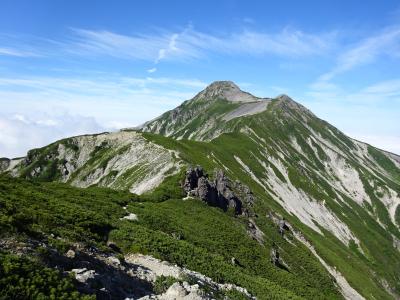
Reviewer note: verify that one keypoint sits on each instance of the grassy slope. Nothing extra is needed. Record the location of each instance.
(380, 256)
(192, 117)
(209, 237)
(205, 249)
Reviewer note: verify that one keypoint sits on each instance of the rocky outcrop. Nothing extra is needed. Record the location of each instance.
(220, 192)
(119, 160)
(274, 256)
(255, 232)
(180, 290)
(200, 286)
(109, 276)
(96, 272)
(282, 224)
(4, 164)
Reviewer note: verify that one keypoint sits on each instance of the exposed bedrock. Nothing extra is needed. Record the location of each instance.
(220, 192)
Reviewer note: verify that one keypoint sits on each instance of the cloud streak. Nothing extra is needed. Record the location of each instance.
(16, 53)
(367, 51)
(192, 44)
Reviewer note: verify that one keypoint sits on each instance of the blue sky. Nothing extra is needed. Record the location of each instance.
(74, 67)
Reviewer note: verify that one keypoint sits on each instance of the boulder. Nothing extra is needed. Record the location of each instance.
(4, 164)
(70, 253)
(221, 192)
(83, 275)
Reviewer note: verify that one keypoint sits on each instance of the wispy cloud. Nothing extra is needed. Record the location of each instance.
(17, 53)
(190, 44)
(144, 47)
(367, 51)
(171, 45)
(379, 93)
(104, 85)
(388, 88)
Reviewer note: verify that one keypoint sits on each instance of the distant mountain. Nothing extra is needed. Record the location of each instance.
(328, 204)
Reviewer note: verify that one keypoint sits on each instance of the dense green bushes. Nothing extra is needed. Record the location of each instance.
(36, 208)
(205, 239)
(188, 232)
(22, 278)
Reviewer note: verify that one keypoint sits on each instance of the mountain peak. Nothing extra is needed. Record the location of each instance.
(222, 85)
(284, 97)
(227, 90)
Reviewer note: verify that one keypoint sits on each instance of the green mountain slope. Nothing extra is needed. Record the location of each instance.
(339, 196)
(122, 160)
(207, 114)
(46, 220)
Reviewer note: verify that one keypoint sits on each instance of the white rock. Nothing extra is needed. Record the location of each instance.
(113, 261)
(130, 217)
(83, 275)
(70, 253)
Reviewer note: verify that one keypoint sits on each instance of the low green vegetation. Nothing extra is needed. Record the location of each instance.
(375, 255)
(24, 278)
(42, 209)
(188, 233)
(205, 239)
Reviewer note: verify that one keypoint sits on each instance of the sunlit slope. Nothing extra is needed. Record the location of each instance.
(339, 196)
(342, 194)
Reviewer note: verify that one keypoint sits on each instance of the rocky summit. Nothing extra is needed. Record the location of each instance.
(227, 196)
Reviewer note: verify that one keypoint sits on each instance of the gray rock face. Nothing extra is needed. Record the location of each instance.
(282, 224)
(221, 192)
(274, 256)
(247, 109)
(4, 164)
(255, 232)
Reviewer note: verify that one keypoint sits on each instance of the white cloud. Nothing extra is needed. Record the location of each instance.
(182, 44)
(389, 88)
(190, 44)
(113, 44)
(152, 70)
(367, 51)
(15, 52)
(379, 93)
(20, 133)
(38, 110)
(162, 53)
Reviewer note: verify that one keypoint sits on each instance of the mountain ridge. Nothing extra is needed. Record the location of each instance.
(340, 196)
